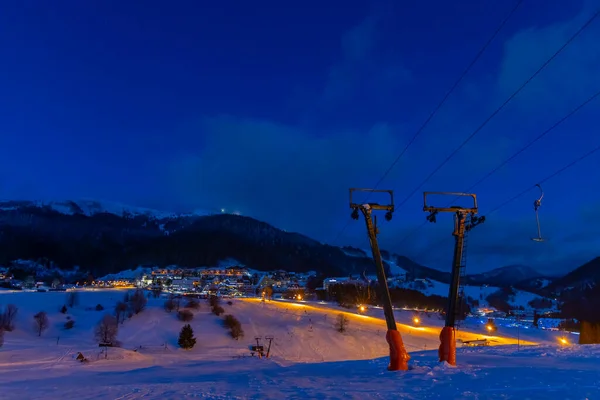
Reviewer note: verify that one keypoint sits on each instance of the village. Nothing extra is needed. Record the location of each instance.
(238, 281)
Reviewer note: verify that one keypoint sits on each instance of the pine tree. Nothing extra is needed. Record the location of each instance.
(186, 337)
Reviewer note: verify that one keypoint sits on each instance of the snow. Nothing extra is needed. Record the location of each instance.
(127, 274)
(480, 293)
(310, 359)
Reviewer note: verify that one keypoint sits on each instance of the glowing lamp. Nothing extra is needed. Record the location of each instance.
(563, 341)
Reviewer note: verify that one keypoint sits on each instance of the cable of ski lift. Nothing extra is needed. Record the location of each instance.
(504, 104)
(438, 106)
(522, 193)
(514, 155)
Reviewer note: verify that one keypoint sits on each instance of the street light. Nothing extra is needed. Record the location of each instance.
(563, 341)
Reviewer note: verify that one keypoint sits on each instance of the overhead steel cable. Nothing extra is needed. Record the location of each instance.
(527, 190)
(439, 105)
(516, 154)
(508, 100)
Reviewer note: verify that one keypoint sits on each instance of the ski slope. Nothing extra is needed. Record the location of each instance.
(310, 359)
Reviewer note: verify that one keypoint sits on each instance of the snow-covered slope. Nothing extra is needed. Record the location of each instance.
(150, 365)
(429, 287)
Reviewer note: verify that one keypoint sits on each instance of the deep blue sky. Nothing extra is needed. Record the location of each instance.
(275, 109)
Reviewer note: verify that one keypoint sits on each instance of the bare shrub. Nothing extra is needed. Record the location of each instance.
(169, 305)
(41, 322)
(235, 327)
(214, 301)
(138, 301)
(7, 317)
(106, 330)
(341, 324)
(120, 311)
(185, 315)
(193, 304)
(218, 310)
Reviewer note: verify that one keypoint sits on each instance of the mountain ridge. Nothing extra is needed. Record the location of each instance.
(117, 236)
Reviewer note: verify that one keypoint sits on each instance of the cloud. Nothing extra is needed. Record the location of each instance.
(297, 177)
(500, 241)
(369, 73)
(282, 174)
(569, 79)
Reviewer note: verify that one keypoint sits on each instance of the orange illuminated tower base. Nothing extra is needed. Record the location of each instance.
(398, 355)
(447, 350)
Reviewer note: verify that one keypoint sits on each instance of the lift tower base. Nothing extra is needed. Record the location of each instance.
(398, 355)
(447, 349)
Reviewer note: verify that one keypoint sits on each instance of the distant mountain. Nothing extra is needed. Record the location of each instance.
(415, 270)
(580, 279)
(519, 276)
(504, 276)
(107, 240)
(89, 208)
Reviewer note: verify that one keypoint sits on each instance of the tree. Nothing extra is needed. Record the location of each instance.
(342, 323)
(536, 318)
(186, 337)
(120, 311)
(590, 333)
(7, 317)
(72, 299)
(29, 282)
(55, 283)
(106, 330)
(41, 322)
(138, 301)
(1, 337)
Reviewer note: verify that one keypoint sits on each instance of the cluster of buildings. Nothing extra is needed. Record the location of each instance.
(121, 283)
(233, 281)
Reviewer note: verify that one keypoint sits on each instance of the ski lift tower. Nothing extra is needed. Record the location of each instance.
(465, 219)
(398, 355)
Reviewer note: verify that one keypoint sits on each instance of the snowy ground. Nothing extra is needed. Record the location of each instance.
(310, 359)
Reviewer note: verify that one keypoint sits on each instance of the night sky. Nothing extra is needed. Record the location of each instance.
(275, 108)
